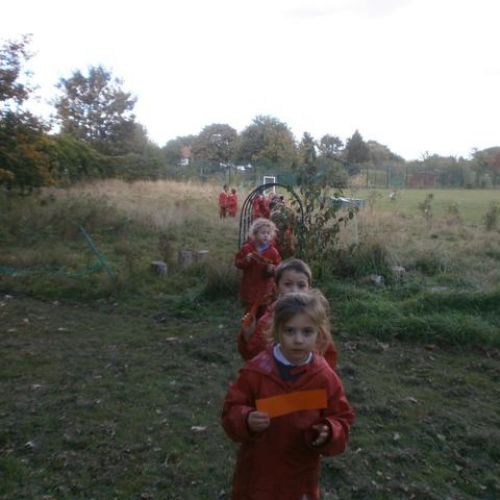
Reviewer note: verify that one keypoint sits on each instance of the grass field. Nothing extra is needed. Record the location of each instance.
(472, 204)
(112, 387)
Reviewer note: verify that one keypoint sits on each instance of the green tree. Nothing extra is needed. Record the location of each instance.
(356, 152)
(486, 162)
(215, 144)
(307, 149)
(334, 170)
(73, 159)
(95, 109)
(379, 154)
(330, 146)
(267, 141)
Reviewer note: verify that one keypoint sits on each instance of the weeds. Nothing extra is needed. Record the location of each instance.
(425, 208)
(491, 217)
(222, 280)
(373, 197)
(453, 213)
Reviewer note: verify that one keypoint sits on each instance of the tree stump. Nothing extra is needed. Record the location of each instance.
(159, 267)
(186, 258)
(201, 255)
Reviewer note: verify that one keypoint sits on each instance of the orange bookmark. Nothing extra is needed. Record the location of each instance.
(276, 406)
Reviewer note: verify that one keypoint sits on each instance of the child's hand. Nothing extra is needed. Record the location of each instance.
(323, 431)
(248, 323)
(258, 421)
(248, 257)
(270, 269)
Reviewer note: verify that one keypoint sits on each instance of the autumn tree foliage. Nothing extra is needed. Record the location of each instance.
(24, 162)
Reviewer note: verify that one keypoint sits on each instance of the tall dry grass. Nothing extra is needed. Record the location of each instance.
(158, 204)
(183, 215)
(466, 255)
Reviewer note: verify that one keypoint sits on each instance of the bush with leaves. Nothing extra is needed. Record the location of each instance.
(323, 218)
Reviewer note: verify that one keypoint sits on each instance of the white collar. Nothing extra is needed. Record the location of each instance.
(278, 354)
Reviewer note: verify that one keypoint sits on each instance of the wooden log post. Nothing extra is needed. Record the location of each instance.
(160, 268)
(201, 255)
(186, 258)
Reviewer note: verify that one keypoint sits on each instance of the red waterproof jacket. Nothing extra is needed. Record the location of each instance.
(223, 196)
(260, 207)
(280, 463)
(232, 204)
(259, 340)
(257, 282)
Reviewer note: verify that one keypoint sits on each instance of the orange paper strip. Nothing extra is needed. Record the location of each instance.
(295, 401)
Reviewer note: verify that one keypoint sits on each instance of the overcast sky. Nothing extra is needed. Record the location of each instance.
(416, 75)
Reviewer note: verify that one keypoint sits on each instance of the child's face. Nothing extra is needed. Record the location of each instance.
(292, 281)
(297, 338)
(264, 235)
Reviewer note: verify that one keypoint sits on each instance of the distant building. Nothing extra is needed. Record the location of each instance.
(185, 159)
(422, 179)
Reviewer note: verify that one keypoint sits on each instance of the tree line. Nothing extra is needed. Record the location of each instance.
(93, 133)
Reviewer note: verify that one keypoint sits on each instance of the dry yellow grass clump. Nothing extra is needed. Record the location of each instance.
(187, 213)
(468, 251)
(159, 204)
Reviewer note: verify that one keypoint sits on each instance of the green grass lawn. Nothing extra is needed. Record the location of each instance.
(472, 203)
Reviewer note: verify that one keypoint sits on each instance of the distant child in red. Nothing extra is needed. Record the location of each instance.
(258, 259)
(223, 196)
(260, 207)
(287, 408)
(291, 276)
(232, 203)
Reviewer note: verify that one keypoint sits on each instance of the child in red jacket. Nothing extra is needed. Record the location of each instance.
(260, 206)
(232, 203)
(292, 275)
(287, 408)
(223, 196)
(258, 259)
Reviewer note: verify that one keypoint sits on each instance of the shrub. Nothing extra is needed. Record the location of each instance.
(491, 216)
(432, 263)
(369, 257)
(323, 218)
(453, 213)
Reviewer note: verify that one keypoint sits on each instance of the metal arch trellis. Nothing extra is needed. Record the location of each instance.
(246, 213)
